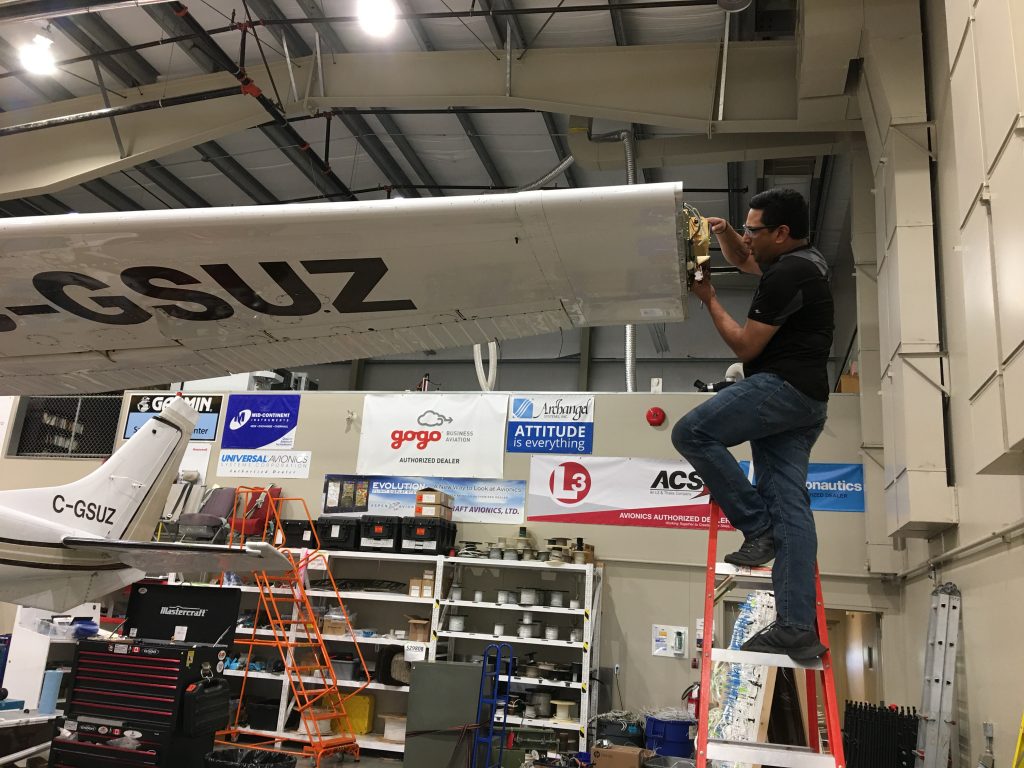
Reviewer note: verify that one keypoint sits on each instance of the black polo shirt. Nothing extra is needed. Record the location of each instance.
(794, 294)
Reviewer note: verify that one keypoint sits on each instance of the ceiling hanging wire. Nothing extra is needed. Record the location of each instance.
(629, 348)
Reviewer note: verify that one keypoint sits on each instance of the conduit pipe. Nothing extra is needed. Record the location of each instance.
(629, 347)
(128, 109)
(554, 173)
(486, 382)
(1006, 534)
(704, 566)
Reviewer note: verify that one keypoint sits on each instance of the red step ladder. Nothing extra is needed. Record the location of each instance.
(722, 577)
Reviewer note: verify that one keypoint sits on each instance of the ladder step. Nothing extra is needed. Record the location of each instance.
(763, 659)
(322, 715)
(741, 573)
(769, 754)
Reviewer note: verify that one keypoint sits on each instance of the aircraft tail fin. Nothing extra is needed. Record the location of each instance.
(123, 498)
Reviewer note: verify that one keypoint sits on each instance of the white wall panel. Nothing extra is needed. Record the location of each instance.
(1007, 188)
(997, 74)
(1013, 402)
(987, 425)
(958, 14)
(970, 162)
(979, 299)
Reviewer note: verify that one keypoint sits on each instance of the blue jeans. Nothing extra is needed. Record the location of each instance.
(782, 424)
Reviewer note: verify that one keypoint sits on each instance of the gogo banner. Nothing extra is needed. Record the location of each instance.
(260, 421)
(551, 424)
(424, 434)
(617, 491)
(475, 500)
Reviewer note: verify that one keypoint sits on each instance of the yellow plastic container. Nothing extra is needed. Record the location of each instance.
(360, 709)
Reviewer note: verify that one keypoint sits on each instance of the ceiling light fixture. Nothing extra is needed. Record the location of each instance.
(37, 58)
(377, 17)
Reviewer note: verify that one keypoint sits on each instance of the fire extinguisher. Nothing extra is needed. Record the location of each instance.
(691, 700)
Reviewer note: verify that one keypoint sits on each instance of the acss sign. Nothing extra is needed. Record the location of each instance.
(570, 483)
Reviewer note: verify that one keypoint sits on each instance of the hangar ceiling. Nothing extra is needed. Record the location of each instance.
(466, 97)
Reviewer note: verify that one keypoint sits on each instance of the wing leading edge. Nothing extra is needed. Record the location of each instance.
(155, 557)
(109, 301)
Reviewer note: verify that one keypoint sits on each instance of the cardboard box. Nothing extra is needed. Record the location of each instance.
(433, 510)
(334, 626)
(427, 588)
(419, 629)
(434, 497)
(415, 587)
(620, 757)
(849, 383)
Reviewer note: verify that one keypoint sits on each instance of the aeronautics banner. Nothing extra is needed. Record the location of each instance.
(142, 408)
(616, 491)
(476, 500)
(551, 424)
(833, 487)
(264, 464)
(433, 434)
(261, 421)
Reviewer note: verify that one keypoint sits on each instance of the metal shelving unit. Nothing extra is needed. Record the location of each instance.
(590, 612)
(371, 740)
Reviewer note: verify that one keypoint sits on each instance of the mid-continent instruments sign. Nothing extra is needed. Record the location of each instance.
(433, 435)
(142, 408)
(261, 421)
(551, 424)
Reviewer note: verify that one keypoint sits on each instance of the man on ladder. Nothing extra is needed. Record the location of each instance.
(780, 407)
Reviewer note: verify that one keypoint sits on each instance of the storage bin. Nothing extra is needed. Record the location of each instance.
(338, 532)
(394, 728)
(298, 534)
(669, 737)
(380, 533)
(361, 709)
(432, 535)
(344, 669)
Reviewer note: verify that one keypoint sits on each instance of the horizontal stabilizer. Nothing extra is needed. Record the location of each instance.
(156, 557)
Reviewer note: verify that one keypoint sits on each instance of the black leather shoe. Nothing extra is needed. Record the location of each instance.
(798, 644)
(754, 552)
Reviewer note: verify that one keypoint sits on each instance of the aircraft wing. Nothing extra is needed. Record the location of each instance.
(156, 557)
(112, 301)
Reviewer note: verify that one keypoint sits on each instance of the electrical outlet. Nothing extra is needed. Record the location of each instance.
(616, 669)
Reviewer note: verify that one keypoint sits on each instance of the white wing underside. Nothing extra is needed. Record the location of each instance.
(98, 302)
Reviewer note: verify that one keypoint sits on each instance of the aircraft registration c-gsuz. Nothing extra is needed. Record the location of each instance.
(100, 302)
(73, 543)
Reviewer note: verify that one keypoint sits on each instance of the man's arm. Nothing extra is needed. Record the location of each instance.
(746, 342)
(733, 247)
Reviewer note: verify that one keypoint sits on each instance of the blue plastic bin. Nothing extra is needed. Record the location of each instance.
(669, 737)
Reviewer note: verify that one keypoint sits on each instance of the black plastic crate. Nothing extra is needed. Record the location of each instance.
(298, 533)
(339, 532)
(430, 535)
(380, 533)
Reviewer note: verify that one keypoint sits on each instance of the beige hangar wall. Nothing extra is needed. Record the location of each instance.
(975, 78)
(652, 575)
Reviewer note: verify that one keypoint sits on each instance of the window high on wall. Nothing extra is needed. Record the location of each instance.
(61, 427)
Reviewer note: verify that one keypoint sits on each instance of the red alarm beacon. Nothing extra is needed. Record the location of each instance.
(655, 416)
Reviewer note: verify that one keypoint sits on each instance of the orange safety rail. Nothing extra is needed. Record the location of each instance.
(829, 703)
(312, 681)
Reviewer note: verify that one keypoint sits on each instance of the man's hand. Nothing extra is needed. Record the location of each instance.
(703, 289)
(717, 225)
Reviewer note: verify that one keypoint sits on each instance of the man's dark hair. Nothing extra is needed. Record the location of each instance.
(783, 206)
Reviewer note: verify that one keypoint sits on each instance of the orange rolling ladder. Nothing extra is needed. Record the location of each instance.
(753, 752)
(294, 633)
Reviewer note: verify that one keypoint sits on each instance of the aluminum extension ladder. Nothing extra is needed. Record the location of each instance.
(763, 753)
(938, 697)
